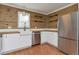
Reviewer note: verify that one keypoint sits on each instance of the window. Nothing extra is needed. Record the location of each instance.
(23, 20)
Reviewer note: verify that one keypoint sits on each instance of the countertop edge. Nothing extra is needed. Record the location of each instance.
(53, 30)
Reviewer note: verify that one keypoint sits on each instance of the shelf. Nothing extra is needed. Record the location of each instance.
(38, 21)
(53, 21)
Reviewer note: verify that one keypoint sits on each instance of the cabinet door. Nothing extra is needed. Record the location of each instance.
(44, 37)
(10, 42)
(26, 40)
(53, 38)
(50, 37)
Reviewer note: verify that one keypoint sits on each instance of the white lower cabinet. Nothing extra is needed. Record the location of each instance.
(12, 42)
(9, 42)
(26, 40)
(49, 37)
(53, 38)
(44, 37)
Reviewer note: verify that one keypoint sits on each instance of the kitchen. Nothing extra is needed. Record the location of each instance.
(21, 29)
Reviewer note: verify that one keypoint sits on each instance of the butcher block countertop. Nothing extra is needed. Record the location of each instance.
(45, 29)
(9, 32)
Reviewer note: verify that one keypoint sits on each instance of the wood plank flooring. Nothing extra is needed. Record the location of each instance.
(44, 49)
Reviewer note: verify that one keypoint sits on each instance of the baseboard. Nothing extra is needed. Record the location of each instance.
(44, 43)
(51, 45)
(4, 53)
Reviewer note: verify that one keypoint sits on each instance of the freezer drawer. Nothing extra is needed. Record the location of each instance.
(68, 46)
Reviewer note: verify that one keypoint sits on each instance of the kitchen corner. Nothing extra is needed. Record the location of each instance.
(46, 35)
(16, 39)
(50, 33)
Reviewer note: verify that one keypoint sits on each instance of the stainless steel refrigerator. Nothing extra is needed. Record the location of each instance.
(68, 33)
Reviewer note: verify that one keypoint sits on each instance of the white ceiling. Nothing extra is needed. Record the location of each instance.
(44, 8)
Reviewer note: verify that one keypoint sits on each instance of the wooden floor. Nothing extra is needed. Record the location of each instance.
(44, 49)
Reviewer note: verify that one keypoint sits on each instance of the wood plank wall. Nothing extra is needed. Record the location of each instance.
(53, 17)
(9, 17)
(38, 21)
(66, 10)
